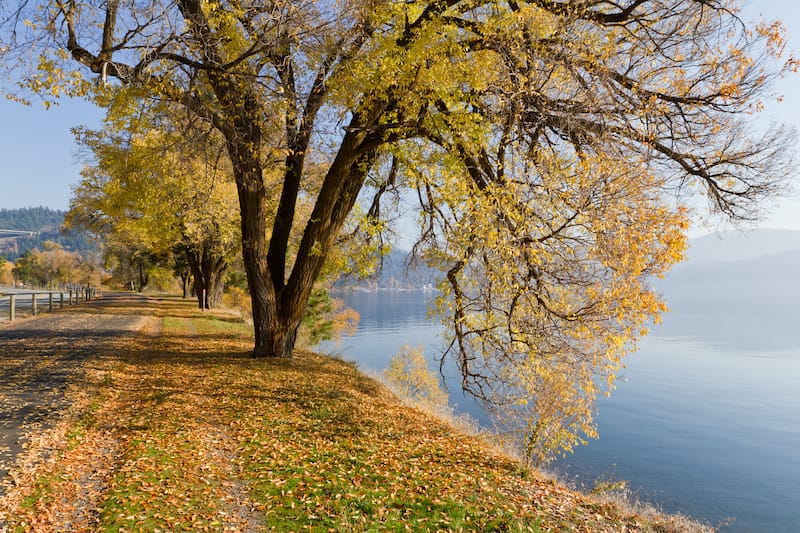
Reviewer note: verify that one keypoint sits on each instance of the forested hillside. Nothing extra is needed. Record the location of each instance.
(47, 223)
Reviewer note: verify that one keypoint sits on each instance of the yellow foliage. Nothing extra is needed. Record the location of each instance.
(6, 277)
(239, 299)
(408, 374)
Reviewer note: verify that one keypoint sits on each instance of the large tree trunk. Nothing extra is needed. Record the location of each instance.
(207, 272)
(185, 284)
(274, 336)
(278, 304)
(143, 277)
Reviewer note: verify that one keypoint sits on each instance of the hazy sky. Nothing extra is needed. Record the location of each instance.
(37, 151)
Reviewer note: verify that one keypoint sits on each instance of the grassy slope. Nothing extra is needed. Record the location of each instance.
(184, 432)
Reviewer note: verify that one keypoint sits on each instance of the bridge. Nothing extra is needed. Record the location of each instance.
(4, 233)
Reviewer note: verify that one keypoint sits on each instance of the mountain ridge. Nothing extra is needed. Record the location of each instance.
(738, 245)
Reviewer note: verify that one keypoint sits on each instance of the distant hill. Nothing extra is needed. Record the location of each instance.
(396, 274)
(733, 282)
(737, 261)
(47, 223)
(742, 245)
(783, 267)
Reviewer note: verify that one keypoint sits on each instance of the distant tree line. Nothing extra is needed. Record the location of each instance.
(31, 218)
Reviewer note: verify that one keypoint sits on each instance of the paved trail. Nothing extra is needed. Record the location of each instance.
(40, 357)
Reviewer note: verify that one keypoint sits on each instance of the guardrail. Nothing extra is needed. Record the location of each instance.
(34, 302)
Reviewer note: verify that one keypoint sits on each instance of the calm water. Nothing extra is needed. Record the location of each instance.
(706, 420)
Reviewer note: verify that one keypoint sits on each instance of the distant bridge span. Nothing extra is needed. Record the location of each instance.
(16, 233)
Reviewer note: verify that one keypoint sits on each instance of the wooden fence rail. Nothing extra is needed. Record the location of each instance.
(37, 301)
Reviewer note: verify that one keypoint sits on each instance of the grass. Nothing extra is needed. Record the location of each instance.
(182, 431)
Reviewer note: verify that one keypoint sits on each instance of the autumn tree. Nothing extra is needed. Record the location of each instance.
(553, 146)
(408, 373)
(156, 187)
(6, 277)
(55, 268)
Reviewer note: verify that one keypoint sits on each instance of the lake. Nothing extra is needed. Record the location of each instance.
(705, 420)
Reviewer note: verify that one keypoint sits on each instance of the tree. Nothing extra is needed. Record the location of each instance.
(54, 267)
(154, 188)
(326, 319)
(25, 268)
(5, 271)
(409, 375)
(553, 146)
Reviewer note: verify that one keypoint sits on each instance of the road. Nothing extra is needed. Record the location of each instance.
(24, 301)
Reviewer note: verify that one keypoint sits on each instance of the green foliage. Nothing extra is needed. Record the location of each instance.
(325, 319)
(317, 320)
(408, 373)
(25, 268)
(236, 278)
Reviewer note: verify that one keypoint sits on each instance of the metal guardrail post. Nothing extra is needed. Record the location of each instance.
(51, 303)
(33, 303)
(61, 303)
(12, 307)
(70, 297)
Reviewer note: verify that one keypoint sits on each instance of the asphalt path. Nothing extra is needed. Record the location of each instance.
(42, 355)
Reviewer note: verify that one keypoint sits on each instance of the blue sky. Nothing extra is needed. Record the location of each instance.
(37, 152)
(38, 163)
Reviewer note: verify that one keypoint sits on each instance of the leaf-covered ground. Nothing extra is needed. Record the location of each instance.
(178, 429)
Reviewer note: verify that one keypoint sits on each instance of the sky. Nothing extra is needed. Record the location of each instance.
(38, 163)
